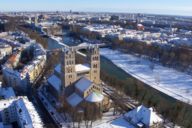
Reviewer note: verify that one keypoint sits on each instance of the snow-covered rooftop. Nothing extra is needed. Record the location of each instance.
(74, 99)
(120, 123)
(55, 82)
(169, 81)
(7, 93)
(79, 68)
(46, 24)
(94, 97)
(23, 112)
(83, 84)
(58, 39)
(116, 123)
(58, 68)
(36, 119)
(143, 115)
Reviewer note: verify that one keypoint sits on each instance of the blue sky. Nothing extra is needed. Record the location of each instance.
(178, 7)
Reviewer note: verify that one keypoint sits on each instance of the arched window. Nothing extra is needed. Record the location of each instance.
(95, 66)
(71, 70)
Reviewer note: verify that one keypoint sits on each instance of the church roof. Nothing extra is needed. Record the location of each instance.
(74, 99)
(83, 84)
(94, 97)
(55, 82)
(79, 68)
(58, 68)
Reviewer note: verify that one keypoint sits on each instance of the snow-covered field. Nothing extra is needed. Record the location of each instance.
(169, 81)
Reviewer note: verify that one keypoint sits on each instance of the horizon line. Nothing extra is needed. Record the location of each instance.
(163, 14)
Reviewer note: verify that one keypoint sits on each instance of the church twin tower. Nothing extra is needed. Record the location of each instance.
(68, 71)
(94, 60)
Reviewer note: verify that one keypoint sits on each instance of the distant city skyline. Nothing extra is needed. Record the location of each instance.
(170, 7)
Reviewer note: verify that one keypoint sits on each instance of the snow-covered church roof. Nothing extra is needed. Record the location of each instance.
(79, 68)
(55, 82)
(94, 97)
(74, 99)
(83, 84)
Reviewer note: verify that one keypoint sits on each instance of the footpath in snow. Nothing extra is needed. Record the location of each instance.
(169, 81)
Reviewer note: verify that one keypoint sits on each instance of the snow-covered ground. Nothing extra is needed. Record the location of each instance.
(169, 81)
(117, 123)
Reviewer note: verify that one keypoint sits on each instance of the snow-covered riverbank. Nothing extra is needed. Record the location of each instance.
(169, 81)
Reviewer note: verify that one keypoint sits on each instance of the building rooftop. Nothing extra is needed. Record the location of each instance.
(79, 68)
(58, 69)
(143, 115)
(74, 99)
(83, 84)
(7, 93)
(23, 113)
(94, 97)
(55, 82)
(118, 123)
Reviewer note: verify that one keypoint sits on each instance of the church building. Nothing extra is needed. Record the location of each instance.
(73, 84)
